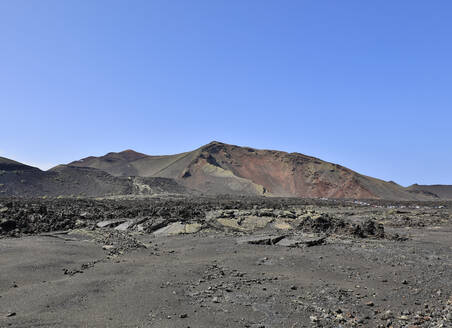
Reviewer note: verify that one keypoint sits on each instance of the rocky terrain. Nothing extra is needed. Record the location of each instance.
(184, 261)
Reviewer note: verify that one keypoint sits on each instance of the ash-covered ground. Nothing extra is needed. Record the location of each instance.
(224, 262)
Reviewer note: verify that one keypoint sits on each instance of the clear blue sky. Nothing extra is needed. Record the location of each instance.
(366, 84)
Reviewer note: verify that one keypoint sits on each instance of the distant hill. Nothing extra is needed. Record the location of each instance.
(7, 165)
(218, 168)
(439, 191)
(117, 164)
(17, 179)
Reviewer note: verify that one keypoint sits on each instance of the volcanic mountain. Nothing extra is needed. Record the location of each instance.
(7, 165)
(439, 191)
(219, 168)
(17, 179)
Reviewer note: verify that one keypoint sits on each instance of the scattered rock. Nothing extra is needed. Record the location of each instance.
(178, 228)
(126, 225)
(305, 240)
(260, 240)
(282, 225)
(110, 223)
(387, 315)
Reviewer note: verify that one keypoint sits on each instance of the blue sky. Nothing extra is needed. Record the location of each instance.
(366, 84)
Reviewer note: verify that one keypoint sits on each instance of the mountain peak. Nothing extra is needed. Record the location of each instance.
(128, 155)
(214, 142)
(129, 151)
(7, 164)
(214, 146)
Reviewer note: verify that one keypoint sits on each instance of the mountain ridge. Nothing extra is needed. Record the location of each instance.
(67, 180)
(212, 169)
(217, 168)
(437, 190)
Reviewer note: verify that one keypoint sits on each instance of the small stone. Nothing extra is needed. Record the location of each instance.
(293, 287)
(11, 314)
(215, 300)
(183, 315)
(360, 320)
(387, 315)
(340, 318)
(314, 318)
(370, 303)
(405, 282)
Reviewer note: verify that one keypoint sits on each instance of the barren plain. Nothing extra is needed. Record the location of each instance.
(224, 262)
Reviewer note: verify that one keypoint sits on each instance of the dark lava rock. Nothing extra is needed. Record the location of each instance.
(370, 228)
(326, 224)
(322, 224)
(8, 225)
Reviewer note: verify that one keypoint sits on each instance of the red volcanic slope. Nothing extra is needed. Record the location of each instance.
(218, 168)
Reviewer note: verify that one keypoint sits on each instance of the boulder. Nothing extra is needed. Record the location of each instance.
(178, 228)
(110, 223)
(8, 225)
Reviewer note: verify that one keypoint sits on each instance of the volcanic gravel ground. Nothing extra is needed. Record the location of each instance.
(211, 262)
